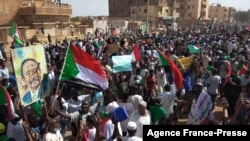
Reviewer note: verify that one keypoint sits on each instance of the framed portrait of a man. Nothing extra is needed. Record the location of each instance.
(30, 69)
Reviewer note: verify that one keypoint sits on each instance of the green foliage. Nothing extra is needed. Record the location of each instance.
(243, 16)
(74, 19)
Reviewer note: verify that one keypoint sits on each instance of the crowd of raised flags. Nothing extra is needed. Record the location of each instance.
(100, 78)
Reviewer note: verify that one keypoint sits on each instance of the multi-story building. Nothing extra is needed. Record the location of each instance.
(193, 10)
(157, 13)
(31, 15)
(222, 13)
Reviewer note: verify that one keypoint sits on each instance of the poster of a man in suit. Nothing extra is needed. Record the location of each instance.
(30, 69)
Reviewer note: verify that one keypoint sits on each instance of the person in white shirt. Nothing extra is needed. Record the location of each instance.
(131, 129)
(110, 105)
(213, 85)
(134, 99)
(141, 117)
(168, 101)
(60, 104)
(132, 77)
(88, 133)
(53, 133)
(231, 46)
(81, 114)
(74, 105)
(161, 79)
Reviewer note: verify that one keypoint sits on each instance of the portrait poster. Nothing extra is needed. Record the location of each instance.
(31, 73)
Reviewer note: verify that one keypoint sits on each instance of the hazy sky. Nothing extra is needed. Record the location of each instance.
(100, 7)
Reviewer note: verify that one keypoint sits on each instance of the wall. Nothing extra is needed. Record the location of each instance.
(100, 24)
(8, 10)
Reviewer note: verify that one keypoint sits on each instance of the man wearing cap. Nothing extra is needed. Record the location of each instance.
(201, 112)
(141, 117)
(131, 128)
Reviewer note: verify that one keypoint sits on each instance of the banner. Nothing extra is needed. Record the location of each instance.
(30, 68)
(122, 63)
(185, 62)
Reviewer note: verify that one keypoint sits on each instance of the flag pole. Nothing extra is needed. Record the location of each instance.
(57, 88)
(45, 103)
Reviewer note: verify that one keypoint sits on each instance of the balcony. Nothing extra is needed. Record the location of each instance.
(174, 4)
(160, 14)
(45, 9)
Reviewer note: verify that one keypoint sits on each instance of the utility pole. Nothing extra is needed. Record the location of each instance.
(147, 16)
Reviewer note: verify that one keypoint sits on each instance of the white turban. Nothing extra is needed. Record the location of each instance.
(131, 125)
(111, 106)
(143, 103)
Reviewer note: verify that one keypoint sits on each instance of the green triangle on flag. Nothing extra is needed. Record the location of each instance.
(164, 62)
(13, 33)
(70, 69)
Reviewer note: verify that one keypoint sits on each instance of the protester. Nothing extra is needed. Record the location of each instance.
(201, 112)
(140, 86)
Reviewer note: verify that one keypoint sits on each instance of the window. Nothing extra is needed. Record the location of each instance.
(130, 2)
(188, 7)
(145, 10)
(192, 6)
(145, 0)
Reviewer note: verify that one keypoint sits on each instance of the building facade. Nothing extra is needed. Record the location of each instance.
(33, 15)
(157, 13)
(191, 11)
(222, 13)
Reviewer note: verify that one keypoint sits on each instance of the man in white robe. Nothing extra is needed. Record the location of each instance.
(141, 117)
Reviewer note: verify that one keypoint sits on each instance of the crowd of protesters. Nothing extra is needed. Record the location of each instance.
(219, 71)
